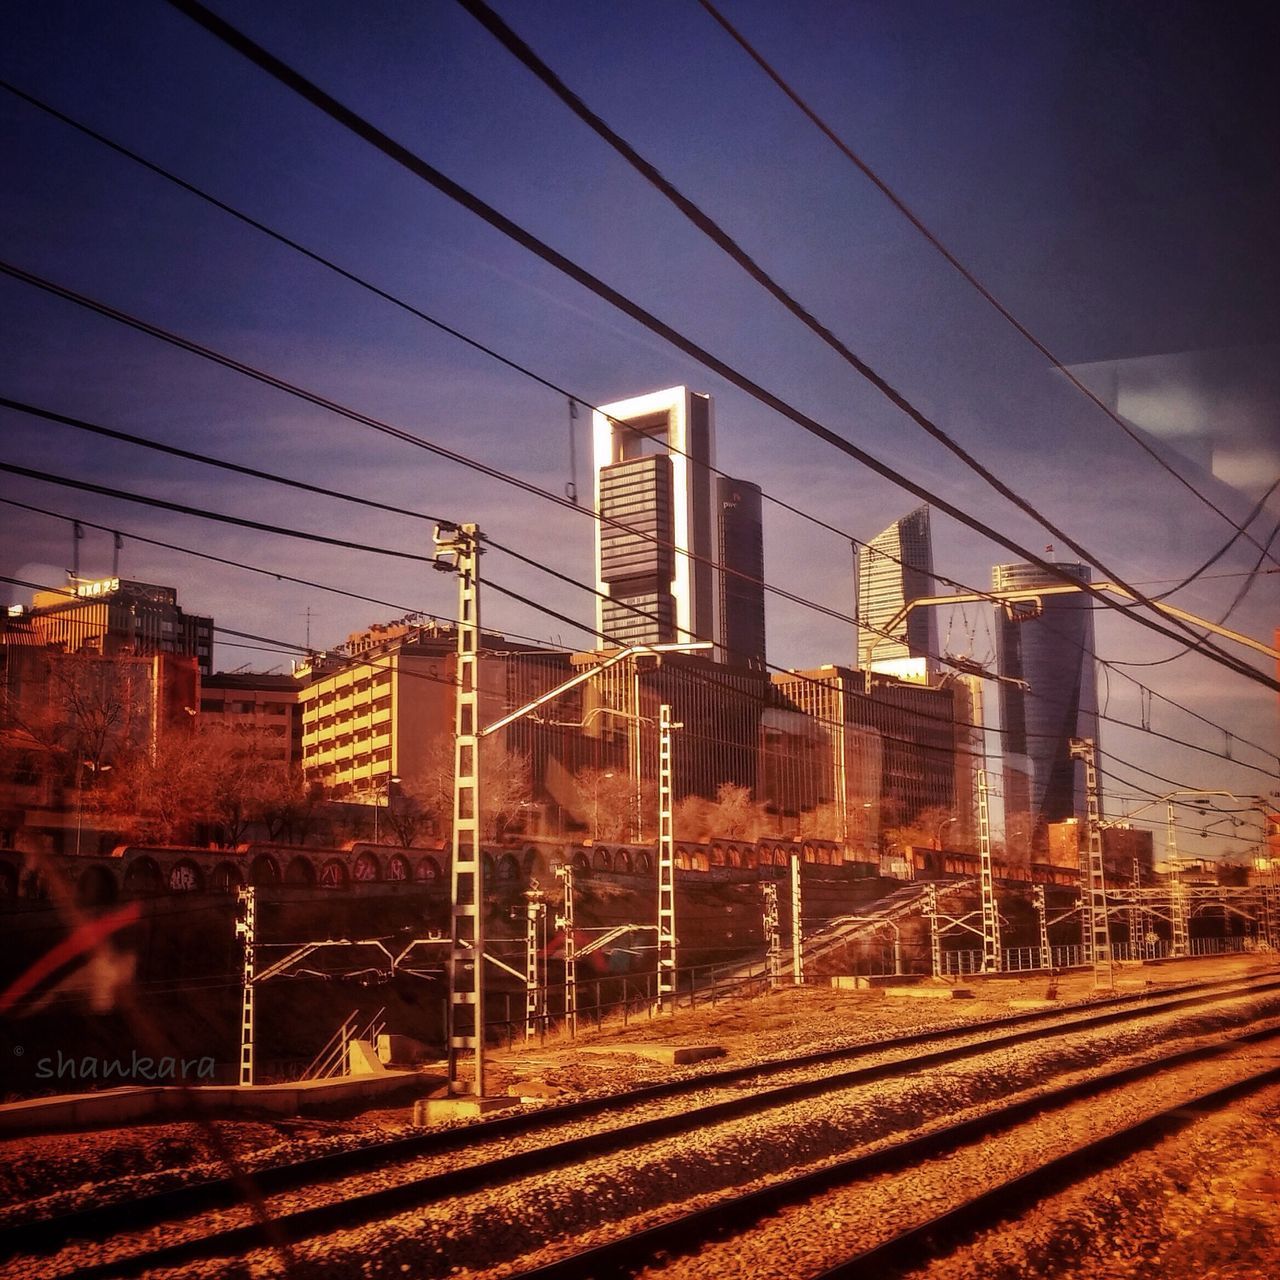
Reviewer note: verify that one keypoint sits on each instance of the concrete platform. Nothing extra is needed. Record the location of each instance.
(1034, 1002)
(106, 1108)
(865, 981)
(931, 993)
(442, 1110)
(670, 1055)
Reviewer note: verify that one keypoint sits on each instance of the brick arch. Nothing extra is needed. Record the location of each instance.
(264, 870)
(300, 871)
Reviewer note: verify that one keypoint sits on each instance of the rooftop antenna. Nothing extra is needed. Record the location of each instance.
(77, 535)
(307, 615)
(117, 542)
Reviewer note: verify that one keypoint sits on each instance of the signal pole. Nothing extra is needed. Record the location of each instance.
(1094, 890)
(797, 927)
(246, 928)
(564, 922)
(772, 938)
(666, 867)
(457, 548)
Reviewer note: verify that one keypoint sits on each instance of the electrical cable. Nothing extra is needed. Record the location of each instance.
(481, 347)
(525, 54)
(898, 203)
(431, 320)
(263, 527)
(408, 307)
(420, 168)
(521, 598)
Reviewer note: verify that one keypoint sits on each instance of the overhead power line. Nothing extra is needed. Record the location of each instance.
(721, 238)
(525, 371)
(540, 565)
(710, 228)
(533, 375)
(350, 120)
(519, 597)
(898, 203)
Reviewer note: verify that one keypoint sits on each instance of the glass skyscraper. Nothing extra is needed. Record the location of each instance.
(1052, 650)
(896, 567)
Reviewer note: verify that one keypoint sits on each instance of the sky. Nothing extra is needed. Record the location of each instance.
(1106, 171)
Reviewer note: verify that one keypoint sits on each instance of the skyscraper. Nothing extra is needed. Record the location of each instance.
(656, 542)
(740, 541)
(1053, 652)
(896, 567)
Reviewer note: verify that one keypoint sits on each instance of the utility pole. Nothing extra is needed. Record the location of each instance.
(666, 867)
(1137, 916)
(1097, 927)
(246, 928)
(797, 929)
(772, 935)
(1181, 944)
(991, 957)
(457, 548)
(564, 922)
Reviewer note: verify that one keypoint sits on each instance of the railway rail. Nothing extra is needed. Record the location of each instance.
(733, 1093)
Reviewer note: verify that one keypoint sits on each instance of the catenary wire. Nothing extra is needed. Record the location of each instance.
(348, 275)
(350, 120)
(264, 527)
(525, 54)
(561, 617)
(542, 380)
(320, 490)
(898, 203)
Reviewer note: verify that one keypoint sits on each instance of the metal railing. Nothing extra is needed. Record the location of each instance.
(335, 1057)
(622, 1000)
(968, 961)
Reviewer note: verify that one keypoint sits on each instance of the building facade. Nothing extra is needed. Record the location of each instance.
(268, 706)
(113, 617)
(740, 544)
(655, 541)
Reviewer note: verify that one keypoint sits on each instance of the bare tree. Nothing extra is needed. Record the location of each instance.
(606, 801)
(406, 815)
(505, 787)
(732, 815)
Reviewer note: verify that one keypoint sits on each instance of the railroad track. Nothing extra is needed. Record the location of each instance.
(924, 1240)
(748, 1087)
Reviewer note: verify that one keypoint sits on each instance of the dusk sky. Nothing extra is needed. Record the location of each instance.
(1108, 171)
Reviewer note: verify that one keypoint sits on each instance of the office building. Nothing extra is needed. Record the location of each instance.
(656, 540)
(894, 568)
(1049, 646)
(112, 617)
(265, 705)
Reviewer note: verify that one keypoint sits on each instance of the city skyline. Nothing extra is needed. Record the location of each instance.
(1021, 214)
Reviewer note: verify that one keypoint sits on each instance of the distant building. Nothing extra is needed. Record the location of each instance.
(1050, 647)
(918, 739)
(895, 568)
(382, 706)
(269, 706)
(841, 761)
(656, 539)
(112, 617)
(1121, 846)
